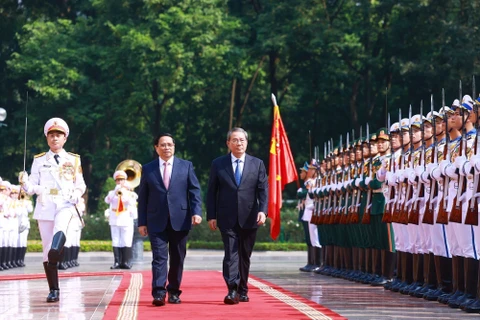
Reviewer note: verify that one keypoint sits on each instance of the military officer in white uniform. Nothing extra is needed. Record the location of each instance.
(57, 180)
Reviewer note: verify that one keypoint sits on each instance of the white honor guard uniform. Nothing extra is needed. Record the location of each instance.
(5, 226)
(56, 178)
(25, 208)
(121, 214)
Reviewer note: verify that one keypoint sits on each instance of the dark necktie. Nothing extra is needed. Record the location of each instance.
(238, 174)
(56, 158)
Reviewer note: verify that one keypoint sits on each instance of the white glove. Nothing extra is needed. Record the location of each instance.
(436, 174)
(74, 197)
(391, 179)
(430, 167)
(451, 171)
(23, 177)
(368, 180)
(459, 161)
(399, 175)
(475, 162)
(299, 189)
(381, 174)
(419, 170)
(424, 177)
(357, 182)
(409, 174)
(443, 164)
(466, 169)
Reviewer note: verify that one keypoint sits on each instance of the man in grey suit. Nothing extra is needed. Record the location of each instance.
(237, 205)
(169, 203)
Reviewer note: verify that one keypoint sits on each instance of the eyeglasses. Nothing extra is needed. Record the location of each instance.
(236, 141)
(166, 145)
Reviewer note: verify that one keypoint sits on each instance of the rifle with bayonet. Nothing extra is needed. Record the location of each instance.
(366, 212)
(442, 217)
(326, 185)
(351, 176)
(472, 211)
(346, 165)
(341, 175)
(429, 209)
(355, 207)
(387, 214)
(456, 213)
(396, 207)
(314, 218)
(414, 214)
(409, 189)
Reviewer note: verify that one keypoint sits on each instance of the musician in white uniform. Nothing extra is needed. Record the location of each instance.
(57, 180)
(122, 212)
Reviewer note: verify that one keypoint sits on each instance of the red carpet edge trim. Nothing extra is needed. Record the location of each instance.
(307, 307)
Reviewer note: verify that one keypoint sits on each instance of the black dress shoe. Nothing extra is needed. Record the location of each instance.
(231, 297)
(53, 296)
(243, 298)
(159, 301)
(174, 298)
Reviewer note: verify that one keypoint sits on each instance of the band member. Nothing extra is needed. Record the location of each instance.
(121, 200)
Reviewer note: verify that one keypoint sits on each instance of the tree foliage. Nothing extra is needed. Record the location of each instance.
(120, 72)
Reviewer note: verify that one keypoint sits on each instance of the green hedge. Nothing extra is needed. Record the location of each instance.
(102, 245)
(97, 233)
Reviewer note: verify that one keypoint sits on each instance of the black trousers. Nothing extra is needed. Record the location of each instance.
(165, 243)
(238, 245)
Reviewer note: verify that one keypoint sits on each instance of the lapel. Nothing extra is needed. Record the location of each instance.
(246, 166)
(156, 173)
(229, 168)
(175, 170)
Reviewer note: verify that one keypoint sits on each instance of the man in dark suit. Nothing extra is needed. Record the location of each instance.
(237, 205)
(169, 203)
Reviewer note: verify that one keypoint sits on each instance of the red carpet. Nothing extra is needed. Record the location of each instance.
(202, 298)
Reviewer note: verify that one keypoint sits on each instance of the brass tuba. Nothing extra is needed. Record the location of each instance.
(133, 169)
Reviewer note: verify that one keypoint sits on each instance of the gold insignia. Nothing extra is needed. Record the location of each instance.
(67, 171)
(39, 155)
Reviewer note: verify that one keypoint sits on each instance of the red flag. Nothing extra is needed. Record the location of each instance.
(282, 170)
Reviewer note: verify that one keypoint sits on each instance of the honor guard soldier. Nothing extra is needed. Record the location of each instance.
(24, 208)
(308, 213)
(383, 232)
(121, 221)
(20, 207)
(474, 307)
(441, 250)
(57, 180)
(302, 195)
(5, 223)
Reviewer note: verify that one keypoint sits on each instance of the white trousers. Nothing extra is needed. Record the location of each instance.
(122, 236)
(48, 228)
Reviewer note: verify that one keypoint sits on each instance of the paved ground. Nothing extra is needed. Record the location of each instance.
(87, 297)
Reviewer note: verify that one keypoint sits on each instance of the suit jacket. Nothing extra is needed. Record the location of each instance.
(229, 203)
(156, 204)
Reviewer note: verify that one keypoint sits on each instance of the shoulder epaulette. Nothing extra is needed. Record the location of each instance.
(74, 154)
(39, 155)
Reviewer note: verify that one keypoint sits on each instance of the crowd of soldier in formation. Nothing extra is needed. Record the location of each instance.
(15, 207)
(399, 208)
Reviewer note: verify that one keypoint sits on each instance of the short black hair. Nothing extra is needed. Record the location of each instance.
(165, 134)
